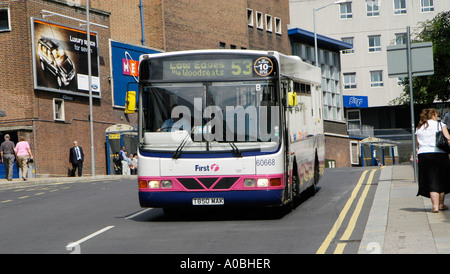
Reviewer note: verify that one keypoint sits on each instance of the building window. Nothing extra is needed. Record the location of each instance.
(399, 6)
(346, 10)
(354, 122)
(4, 19)
(278, 25)
(331, 84)
(259, 20)
(269, 23)
(427, 5)
(373, 8)
(58, 109)
(375, 43)
(350, 80)
(250, 17)
(400, 38)
(348, 40)
(376, 78)
(355, 153)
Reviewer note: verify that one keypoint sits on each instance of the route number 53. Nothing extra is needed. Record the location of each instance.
(241, 67)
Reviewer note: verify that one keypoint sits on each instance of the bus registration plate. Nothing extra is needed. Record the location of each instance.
(208, 201)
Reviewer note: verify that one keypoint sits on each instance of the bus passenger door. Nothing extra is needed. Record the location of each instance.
(285, 88)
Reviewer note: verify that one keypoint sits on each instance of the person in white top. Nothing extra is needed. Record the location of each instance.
(434, 163)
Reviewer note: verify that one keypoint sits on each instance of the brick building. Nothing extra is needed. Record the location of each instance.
(51, 120)
(199, 24)
(51, 115)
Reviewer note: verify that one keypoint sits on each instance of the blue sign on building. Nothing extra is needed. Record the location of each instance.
(351, 101)
(125, 68)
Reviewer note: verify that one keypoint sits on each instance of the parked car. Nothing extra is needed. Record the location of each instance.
(53, 57)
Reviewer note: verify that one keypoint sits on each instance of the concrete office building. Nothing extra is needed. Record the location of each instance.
(371, 26)
(339, 147)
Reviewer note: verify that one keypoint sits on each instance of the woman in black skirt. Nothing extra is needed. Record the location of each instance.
(433, 162)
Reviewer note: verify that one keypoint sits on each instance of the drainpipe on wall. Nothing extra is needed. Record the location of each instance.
(141, 7)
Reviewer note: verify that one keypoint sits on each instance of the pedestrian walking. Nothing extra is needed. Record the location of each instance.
(7, 154)
(76, 158)
(433, 162)
(23, 153)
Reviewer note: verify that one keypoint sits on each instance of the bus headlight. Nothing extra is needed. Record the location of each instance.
(166, 184)
(264, 182)
(249, 182)
(153, 184)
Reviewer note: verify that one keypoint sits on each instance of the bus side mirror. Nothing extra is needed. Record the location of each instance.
(292, 98)
(130, 102)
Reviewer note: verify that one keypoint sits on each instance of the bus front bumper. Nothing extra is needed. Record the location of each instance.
(248, 198)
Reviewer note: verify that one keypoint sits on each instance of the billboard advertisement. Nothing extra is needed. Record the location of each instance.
(60, 59)
(125, 68)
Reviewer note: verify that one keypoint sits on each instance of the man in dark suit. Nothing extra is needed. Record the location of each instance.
(76, 158)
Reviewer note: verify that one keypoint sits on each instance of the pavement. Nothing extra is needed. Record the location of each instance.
(401, 222)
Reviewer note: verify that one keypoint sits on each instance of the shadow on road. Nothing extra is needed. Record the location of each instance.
(217, 213)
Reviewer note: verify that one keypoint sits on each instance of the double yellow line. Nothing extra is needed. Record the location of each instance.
(352, 223)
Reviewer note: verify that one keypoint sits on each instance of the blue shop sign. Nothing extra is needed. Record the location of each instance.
(351, 101)
(125, 68)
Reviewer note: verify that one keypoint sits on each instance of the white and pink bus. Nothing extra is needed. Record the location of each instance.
(228, 128)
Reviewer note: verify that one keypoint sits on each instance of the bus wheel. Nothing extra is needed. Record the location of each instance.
(313, 188)
(316, 170)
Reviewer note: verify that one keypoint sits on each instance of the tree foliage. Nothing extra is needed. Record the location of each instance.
(436, 87)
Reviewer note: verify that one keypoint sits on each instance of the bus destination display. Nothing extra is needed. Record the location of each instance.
(215, 68)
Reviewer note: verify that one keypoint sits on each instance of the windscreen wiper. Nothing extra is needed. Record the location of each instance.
(177, 152)
(236, 151)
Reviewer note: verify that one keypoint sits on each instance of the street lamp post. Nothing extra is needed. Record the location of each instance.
(91, 119)
(315, 32)
(77, 3)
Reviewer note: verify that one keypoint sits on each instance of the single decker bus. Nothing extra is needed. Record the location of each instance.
(236, 128)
